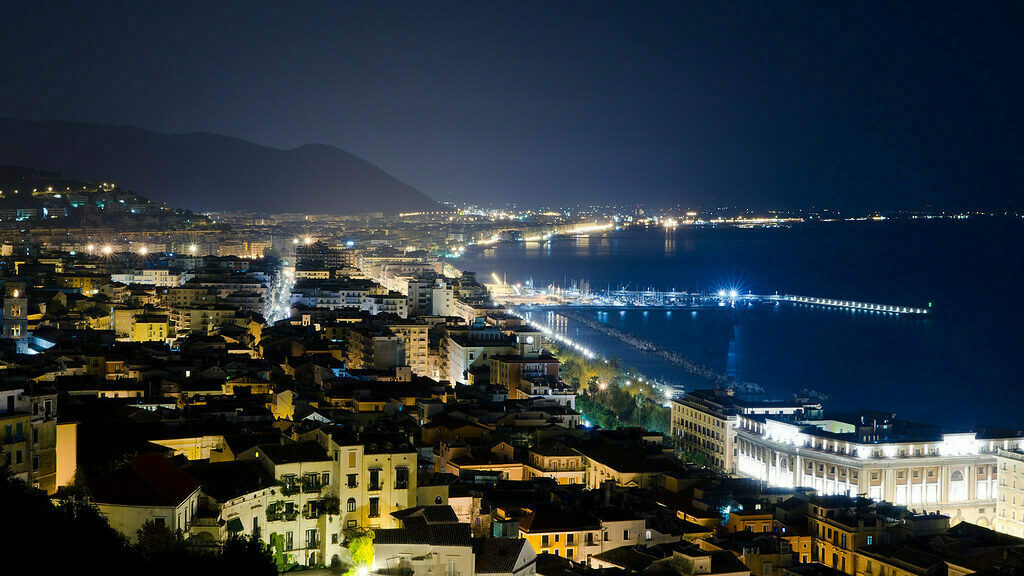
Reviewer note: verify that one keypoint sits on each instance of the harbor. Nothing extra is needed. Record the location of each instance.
(580, 295)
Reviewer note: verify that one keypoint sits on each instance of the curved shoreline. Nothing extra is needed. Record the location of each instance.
(674, 358)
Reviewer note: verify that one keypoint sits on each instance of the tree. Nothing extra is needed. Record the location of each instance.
(360, 550)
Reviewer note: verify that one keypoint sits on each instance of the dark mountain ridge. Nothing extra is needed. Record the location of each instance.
(204, 171)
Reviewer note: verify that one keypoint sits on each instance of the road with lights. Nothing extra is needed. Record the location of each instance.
(279, 295)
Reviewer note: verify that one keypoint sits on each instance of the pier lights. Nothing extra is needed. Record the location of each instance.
(733, 293)
(721, 293)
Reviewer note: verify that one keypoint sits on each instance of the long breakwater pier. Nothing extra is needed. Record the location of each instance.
(623, 298)
(866, 306)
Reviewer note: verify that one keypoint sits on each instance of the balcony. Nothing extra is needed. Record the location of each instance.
(329, 505)
(311, 487)
(375, 487)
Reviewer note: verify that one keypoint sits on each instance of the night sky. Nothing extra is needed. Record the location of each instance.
(852, 105)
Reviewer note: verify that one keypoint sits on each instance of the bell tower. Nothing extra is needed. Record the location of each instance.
(15, 312)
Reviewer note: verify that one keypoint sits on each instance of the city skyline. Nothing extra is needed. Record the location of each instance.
(511, 289)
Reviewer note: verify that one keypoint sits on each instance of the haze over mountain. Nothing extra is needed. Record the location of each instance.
(204, 171)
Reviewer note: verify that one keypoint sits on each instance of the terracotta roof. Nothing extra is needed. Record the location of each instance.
(152, 480)
(497, 555)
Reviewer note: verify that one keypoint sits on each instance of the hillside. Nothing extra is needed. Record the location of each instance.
(210, 172)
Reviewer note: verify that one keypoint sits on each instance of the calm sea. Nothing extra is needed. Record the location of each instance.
(960, 365)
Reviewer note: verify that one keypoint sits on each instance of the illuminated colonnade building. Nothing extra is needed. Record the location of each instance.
(706, 421)
(877, 455)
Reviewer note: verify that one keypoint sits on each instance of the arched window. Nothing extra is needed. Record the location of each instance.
(957, 486)
(437, 500)
(351, 504)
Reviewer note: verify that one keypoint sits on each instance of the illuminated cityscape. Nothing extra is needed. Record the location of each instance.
(618, 290)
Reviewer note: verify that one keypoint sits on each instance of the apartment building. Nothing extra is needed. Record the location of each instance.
(414, 337)
(376, 475)
(152, 277)
(1010, 492)
(556, 461)
(705, 421)
(302, 515)
(472, 349)
(152, 489)
(31, 440)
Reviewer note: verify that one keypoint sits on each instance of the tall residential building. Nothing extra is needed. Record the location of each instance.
(31, 441)
(414, 336)
(1010, 493)
(430, 296)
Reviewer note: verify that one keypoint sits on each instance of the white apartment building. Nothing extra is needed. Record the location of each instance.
(152, 277)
